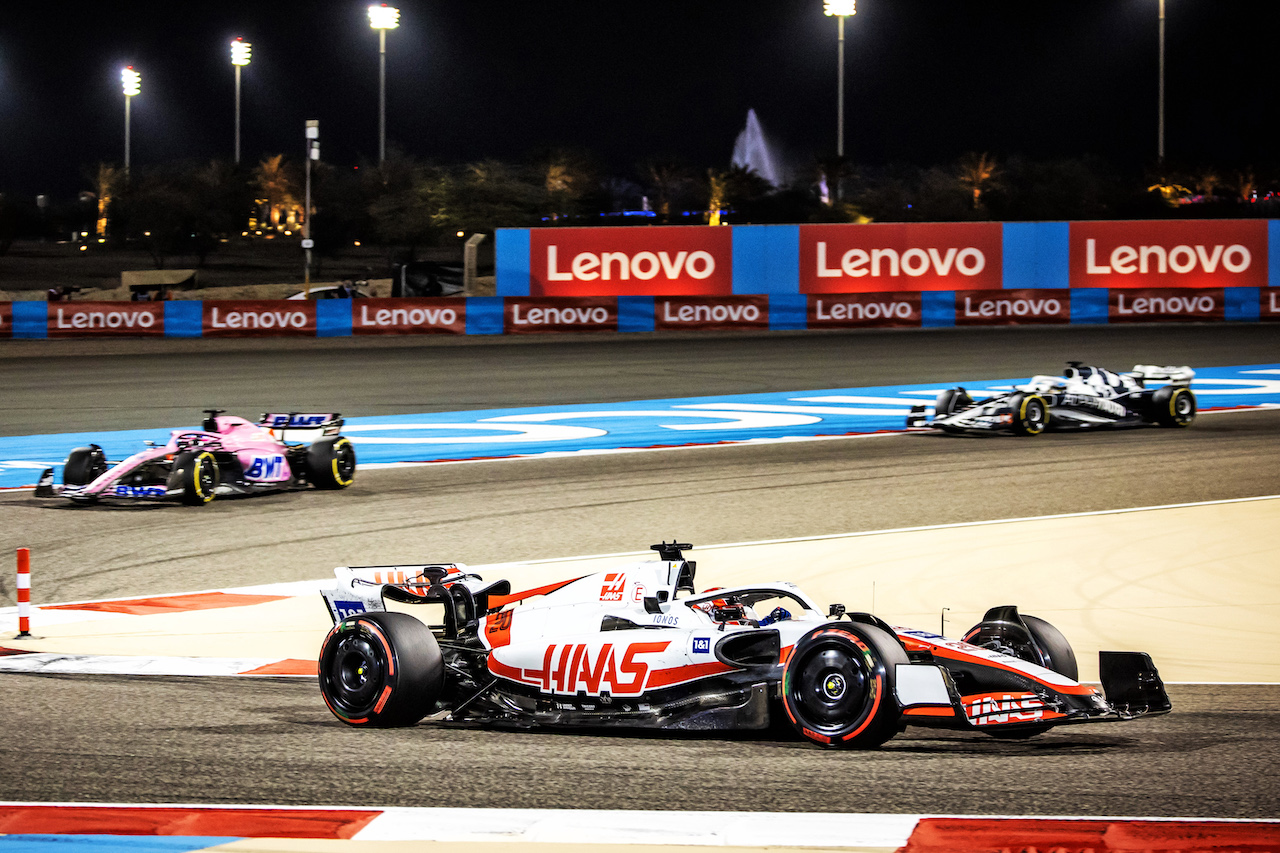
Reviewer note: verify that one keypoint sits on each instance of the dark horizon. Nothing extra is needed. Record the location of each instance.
(925, 83)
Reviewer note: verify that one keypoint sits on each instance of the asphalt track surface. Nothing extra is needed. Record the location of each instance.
(272, 741)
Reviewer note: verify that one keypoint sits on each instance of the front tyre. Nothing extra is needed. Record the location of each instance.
(838, 685)
(1173, 406)
(1030, 414)
(379, 670)
(84, 465)
(331, 463)
(950, 401)
(198, 476)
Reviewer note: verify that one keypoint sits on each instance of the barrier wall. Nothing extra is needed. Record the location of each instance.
(514, 315)
(762, 277)
(887, 257)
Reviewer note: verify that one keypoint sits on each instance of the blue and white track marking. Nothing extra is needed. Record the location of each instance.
(682, 422)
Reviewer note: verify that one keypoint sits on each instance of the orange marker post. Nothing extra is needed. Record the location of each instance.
(24, 593)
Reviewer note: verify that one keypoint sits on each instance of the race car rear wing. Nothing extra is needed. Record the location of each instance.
(1181, 375)
(325, 424)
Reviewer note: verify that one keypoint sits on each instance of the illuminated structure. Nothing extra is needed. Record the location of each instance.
(132, 83)
(383, 18)
(239, 58)
(840, 9)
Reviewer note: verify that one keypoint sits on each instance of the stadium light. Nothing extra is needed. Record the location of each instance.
(383, 18)
(840, 9)
(132, 84)
(239, 58)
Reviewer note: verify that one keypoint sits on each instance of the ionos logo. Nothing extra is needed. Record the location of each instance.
(898, 257)
(106, 319)
(1189, 253)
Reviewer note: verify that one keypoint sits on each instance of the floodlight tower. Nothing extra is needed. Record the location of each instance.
(383, 18)
(132, 84)
(840, 9)
(239, 58)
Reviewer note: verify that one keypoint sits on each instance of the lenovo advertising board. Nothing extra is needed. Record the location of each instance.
(275, 318)
(524, 315)
(1164, 253)
(1269, 307)
(656, 261)
(672, 313)
(894, 256)
(409, 316)
(863, 310)
(1012, 307)
(106, 319)
(1162, 305)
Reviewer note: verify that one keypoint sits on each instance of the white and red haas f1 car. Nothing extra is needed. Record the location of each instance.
(1083, 397)
(636, 647)
(226, 456)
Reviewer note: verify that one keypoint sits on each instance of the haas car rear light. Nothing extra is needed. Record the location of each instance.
(638, 647)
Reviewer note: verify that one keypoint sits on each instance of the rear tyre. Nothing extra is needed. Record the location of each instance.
(1173, 406)
(1030, 414)
(84, 465)
(331, 463)
(838, 686)
(198, 476)
(952, 400)
(379, 670)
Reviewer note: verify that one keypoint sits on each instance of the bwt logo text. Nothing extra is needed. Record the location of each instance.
(589, 266)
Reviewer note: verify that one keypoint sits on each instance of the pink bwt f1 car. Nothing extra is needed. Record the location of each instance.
(226, 456)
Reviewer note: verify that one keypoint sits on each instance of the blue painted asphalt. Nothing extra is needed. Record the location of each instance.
(646, 423)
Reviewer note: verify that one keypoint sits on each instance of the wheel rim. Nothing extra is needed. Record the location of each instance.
(355, 674)
(207, 476)
(1182, 407)
(830, 688)
(1035, 414)
(344, 462)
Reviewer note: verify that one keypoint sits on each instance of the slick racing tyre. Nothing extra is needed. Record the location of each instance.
(84, 465)
(952, 400)
(379, 670)
(838, 685)
(331, 464)
(197, 475)
(1030, 414)
(1028, 638)
(1173, 406)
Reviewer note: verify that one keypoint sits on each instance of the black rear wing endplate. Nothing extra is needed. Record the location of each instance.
(1132, 684)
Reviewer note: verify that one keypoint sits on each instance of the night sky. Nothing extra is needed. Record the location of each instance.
(927, 81)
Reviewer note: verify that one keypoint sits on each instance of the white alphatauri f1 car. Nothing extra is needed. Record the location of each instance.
(1084, 397)
(637, 647)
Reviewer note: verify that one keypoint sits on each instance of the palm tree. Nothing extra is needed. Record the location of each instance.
(280, 189)
(978, 174)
